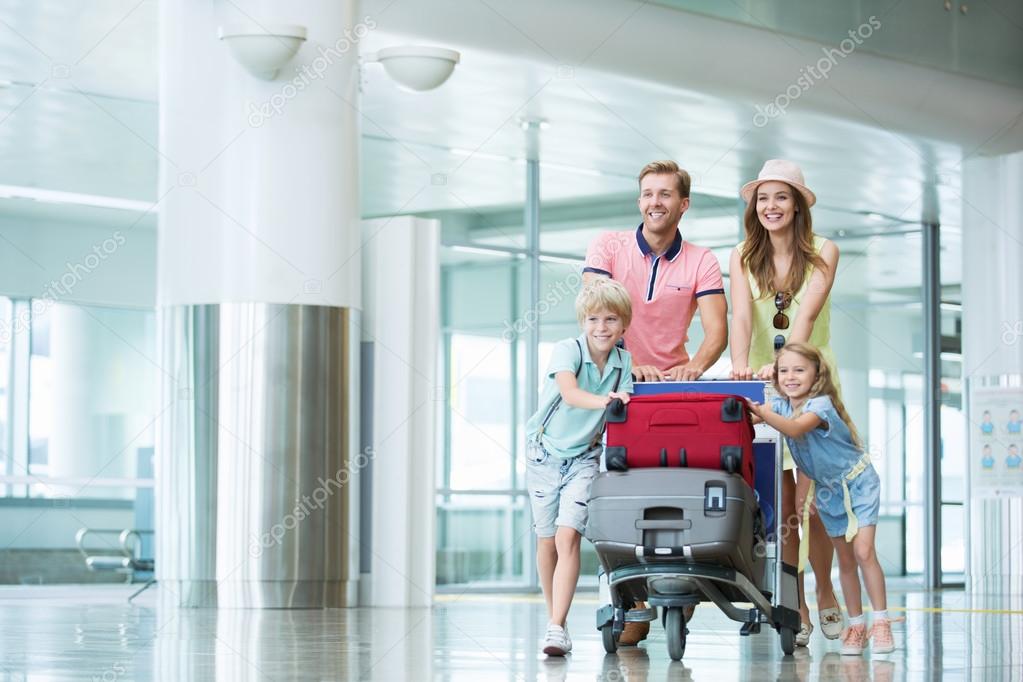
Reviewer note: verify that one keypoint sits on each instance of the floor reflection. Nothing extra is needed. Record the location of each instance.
(58, 633)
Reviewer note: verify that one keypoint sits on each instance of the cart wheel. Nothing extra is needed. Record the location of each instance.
(675, 632)
(788, 640)
(607, 635)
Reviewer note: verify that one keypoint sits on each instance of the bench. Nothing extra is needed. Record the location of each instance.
(124, 558)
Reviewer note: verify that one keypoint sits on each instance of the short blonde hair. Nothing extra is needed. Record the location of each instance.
(603, 294)
(667, 168)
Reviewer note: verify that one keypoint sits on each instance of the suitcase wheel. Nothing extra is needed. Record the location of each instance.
(615, 412)
(731, 458)
(614, 458)
(731, 410)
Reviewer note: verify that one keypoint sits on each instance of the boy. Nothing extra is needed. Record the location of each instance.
(563, 443)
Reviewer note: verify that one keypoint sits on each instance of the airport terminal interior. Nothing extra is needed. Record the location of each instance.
(280, 284)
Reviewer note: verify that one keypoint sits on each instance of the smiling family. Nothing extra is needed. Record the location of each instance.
(643, 287)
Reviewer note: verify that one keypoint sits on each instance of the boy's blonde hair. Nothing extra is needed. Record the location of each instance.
(824, 384)
(603, 294)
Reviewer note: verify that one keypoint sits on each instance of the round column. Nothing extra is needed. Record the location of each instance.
(258, 293)
(97, 425)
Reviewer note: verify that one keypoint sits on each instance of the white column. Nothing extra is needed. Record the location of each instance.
(993, 305)
(97, 424)
(406, 394)
(258, 294)
(84, 433)
(258, 178)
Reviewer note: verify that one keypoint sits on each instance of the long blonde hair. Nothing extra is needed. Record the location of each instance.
(824, 384)
(758, 253)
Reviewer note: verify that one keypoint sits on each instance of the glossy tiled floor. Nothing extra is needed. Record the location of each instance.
(91, 633)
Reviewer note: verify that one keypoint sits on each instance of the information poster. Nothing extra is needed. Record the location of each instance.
(996, 440)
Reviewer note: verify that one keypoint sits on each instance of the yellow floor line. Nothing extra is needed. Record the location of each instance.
(935, 609)
(538, 599)
(939, 609)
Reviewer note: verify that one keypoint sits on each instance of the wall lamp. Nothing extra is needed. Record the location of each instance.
(416, 67)
(263, 50)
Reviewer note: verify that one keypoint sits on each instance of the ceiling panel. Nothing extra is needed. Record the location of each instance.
(78, 113)
(984, 41)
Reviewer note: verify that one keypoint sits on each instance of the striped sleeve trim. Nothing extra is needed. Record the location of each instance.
(708, 292)
(597, 271)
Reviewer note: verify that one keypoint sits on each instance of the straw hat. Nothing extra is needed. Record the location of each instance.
(783, 171)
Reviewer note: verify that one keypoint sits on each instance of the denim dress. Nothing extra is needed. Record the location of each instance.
(847, 489)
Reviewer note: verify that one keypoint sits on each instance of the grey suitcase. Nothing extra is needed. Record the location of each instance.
(693, 515)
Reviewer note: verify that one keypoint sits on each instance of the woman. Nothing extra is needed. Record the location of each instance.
(781, 278)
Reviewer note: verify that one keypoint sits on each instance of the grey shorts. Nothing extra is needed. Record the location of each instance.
(559, 489)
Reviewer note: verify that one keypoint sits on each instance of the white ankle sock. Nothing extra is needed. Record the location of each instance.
(881, 615)
(858, 620)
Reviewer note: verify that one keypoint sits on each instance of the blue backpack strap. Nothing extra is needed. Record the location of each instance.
(557, 401)
(618, 379)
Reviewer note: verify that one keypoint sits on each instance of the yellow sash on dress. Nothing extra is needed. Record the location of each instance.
(853, 525)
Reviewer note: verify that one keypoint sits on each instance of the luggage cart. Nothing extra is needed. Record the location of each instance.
(664, 578)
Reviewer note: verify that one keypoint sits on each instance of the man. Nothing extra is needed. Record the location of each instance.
(668, 279)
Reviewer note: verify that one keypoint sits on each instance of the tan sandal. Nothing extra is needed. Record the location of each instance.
(634, 633)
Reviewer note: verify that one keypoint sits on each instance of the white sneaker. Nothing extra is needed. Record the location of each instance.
(556, 642)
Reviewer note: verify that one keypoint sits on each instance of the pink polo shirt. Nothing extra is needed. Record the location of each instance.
(663, 290)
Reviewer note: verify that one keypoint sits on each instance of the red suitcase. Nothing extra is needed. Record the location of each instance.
(698, 430)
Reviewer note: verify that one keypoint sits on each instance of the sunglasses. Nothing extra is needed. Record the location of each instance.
(782, 300)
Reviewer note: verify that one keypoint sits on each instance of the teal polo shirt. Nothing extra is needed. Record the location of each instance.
(572, 429)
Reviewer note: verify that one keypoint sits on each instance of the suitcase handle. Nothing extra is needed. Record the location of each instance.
(673, 417)
(660, 552)
(664, 524)
(616, 412)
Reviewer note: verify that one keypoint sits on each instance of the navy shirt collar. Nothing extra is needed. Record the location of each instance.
(670, 254)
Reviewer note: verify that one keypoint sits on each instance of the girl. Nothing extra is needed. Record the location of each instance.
(781, 284)
(824, 443)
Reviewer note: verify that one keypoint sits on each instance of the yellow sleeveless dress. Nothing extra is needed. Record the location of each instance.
(762, 339)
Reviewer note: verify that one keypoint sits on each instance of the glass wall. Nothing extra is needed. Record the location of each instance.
(85, 415)
(877, 335)
(6, 400)
(482, 513)
(953, 414)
